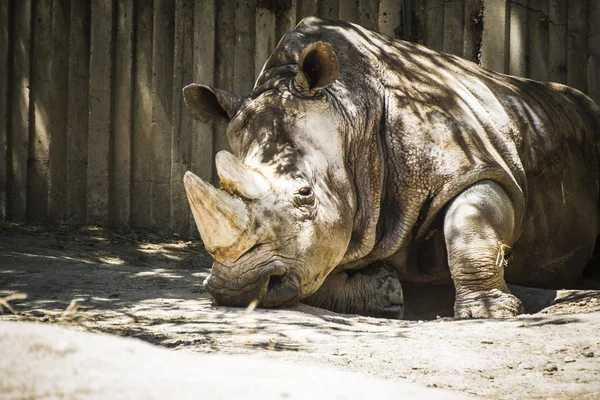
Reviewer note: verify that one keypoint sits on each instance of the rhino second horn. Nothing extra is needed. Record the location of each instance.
(221, 218)
(238, 178)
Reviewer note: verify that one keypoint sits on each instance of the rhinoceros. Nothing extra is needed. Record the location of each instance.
(359, 162)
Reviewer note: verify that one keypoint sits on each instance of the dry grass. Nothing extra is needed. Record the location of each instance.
(4, 301)
(501, 260)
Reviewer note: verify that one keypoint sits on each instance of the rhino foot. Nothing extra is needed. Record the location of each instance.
(488, 304)
(373, 292)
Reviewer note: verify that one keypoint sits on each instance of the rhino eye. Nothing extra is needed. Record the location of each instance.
(305, 196)
(305, 191)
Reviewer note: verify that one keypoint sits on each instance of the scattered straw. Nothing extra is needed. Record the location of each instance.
(5, 300)
(251, 306)
(501, 260)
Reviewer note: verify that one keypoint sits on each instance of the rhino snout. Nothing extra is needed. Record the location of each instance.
(274, 285)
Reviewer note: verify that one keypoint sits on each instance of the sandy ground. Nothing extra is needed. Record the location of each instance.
(143, 286)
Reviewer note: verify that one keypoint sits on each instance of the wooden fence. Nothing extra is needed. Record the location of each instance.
(92, 126)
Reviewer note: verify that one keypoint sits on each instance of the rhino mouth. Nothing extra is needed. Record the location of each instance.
(275, 285)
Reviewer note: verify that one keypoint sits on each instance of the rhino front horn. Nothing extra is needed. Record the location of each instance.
(222, 219)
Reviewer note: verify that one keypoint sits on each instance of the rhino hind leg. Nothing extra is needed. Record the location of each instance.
(374, 291)
(478, 227)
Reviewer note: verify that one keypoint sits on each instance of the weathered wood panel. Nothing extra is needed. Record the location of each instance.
(19, 124)
(390, 16)
(593, 79)
(265, 37)
(473, 29)
(434, 24)
(243, 73)
(120, 178)
(518, 38)
(77, 112)
(557, 46)
(5, 27)
(203, 72)
(181, 130)
(286, 18)
(59, 78)
(42, 101)
(494, 43)
(348, 11)
(162, 102)
(101, 68)
(93, 128)
(368, 13)
(307, 8)
(328, 9)
(454, 19)
(537, 40)
(222, 64)
(577, 44)
(142, 116)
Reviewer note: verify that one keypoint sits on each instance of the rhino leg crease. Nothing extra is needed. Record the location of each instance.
(374, 291)
(479, 227)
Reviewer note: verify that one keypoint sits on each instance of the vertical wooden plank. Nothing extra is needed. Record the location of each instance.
(328, 9)
(557, 46)
(434, 24)
(418, 23)
(162, 102)
(368, 13)
(593, 80)
(577, 44)
(19, 124)
(307, 8)
(390, 17)
(243, 73)
(101, 68)
(537, 40)
(120, 180)
(494, 41)
(224, 60)
(5, 26)
(348, 11)
(59, 73)
(181, 144)
(204, 72)
(287, 18)
(473, 30)
(265, 37)
(518, 38)
(142, 115)
(454, 19)
(42, 100)
(77, 112)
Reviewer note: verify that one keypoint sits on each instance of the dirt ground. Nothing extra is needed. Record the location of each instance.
(143, 286)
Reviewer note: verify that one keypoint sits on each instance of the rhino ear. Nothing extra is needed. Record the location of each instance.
(208, 104)
(318, 67)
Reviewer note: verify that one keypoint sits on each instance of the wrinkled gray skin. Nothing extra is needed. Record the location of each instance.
(361, 162)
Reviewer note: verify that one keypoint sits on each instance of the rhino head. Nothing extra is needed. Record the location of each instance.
(282, 218)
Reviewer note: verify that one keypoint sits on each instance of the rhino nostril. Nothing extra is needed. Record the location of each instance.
(282, 289)
(274, 282)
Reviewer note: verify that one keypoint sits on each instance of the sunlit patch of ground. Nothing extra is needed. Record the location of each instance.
(143, 286)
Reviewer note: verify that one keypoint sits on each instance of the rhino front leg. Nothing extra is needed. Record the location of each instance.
(374, 291)
(478, 226)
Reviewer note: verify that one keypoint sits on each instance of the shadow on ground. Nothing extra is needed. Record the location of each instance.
(150, 288)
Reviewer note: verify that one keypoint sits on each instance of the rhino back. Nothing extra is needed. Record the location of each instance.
(438, 124)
